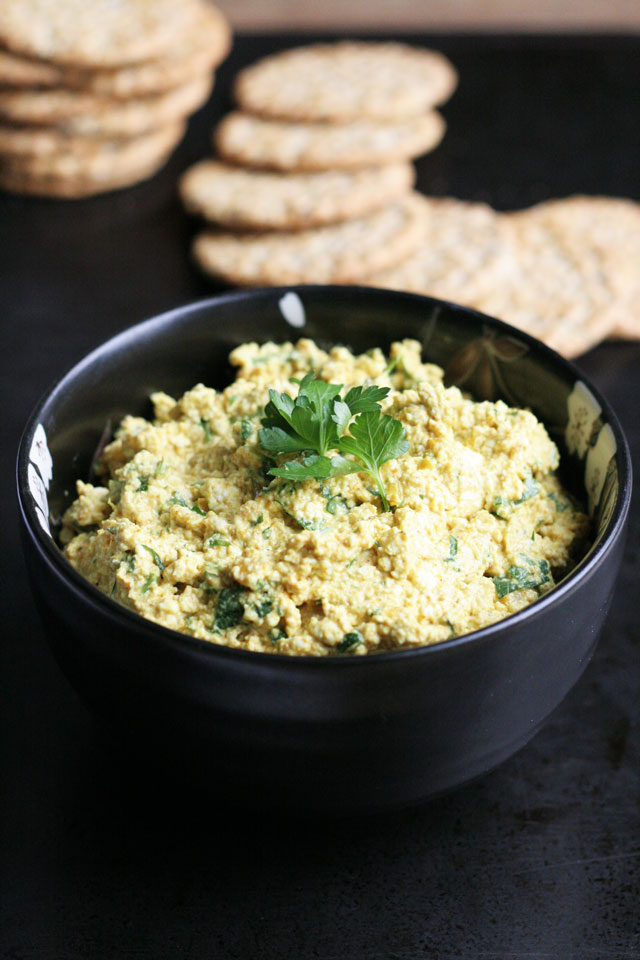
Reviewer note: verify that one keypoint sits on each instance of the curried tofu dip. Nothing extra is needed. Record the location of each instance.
(190, 530)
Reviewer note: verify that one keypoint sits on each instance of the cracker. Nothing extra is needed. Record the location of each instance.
(609, 229)
(345, 81)
(100, 160)
(508, 266)
(16, 71)
(74, 112)
(206, 45)
(461, 242)
(281, 145)
(340, 253)
(541, 288)
(257, 200)
(95, 33)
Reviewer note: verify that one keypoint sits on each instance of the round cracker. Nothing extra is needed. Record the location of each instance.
(508, 266)
(279, 145)
(84, 114)
(257, 200)
(341, 253)
(96, 160)
(460, 244)
(541, 288)
(609, 229)
(110, 167)
(345, 81)
(204, 48)
(95, 34)
(16, 71)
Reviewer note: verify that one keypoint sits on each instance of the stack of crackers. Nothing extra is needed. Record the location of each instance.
(313, 180)
(316, 158)
(95, 94)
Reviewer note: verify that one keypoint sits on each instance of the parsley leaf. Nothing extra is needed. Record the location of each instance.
(311, 467)
(374, 439)
(315, 423)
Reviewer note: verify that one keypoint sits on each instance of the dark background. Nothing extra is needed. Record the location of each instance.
(540, 859)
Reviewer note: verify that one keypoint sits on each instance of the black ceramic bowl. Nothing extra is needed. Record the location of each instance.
(321, 734)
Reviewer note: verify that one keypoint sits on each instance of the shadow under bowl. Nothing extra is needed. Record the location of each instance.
(321, 735)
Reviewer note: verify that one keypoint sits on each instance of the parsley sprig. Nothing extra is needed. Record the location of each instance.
(315, 423)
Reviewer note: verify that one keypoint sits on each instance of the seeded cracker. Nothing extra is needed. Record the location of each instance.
(204, 47)
(95, 34)
(93, 166)
(257, 200)
(78, 113)
(340, 253)
(281, 145)
(346, 81)
(608, 229)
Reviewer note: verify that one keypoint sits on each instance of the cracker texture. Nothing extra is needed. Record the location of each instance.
(205, 46)
(339, 253)
(345, 81)
(287, 145)
(75, 112)
(100, 160)
(95, 33)
(557, 270)
(259, 200)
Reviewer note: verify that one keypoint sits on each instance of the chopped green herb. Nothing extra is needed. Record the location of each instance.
(130, 561)
(208, 432)
(350, 641)
(178, 499)
(266, 533)
(158, 562)
(453, 549)
(305, 524)
(277, 634)
(144, 485)
(539, 523)
(216, 541)
(196, 509)
(502, 508)
(259, 519)
(351, 562)
(519, 578)
(561, 505)
(246, 429)
(531, 489)
(391, 366)
(115, 491)
(337, 504)
(151, 579)
(161, 468)
(231, 402)
(264, 607)
(230, 608)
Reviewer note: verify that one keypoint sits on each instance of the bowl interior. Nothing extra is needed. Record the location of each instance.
(177, 350)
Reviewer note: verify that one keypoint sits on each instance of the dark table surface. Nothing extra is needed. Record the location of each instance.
(541, 858)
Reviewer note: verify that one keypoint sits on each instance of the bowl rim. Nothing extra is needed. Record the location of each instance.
(186, 643)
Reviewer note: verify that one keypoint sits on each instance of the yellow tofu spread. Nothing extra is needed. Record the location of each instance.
(190, 530)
